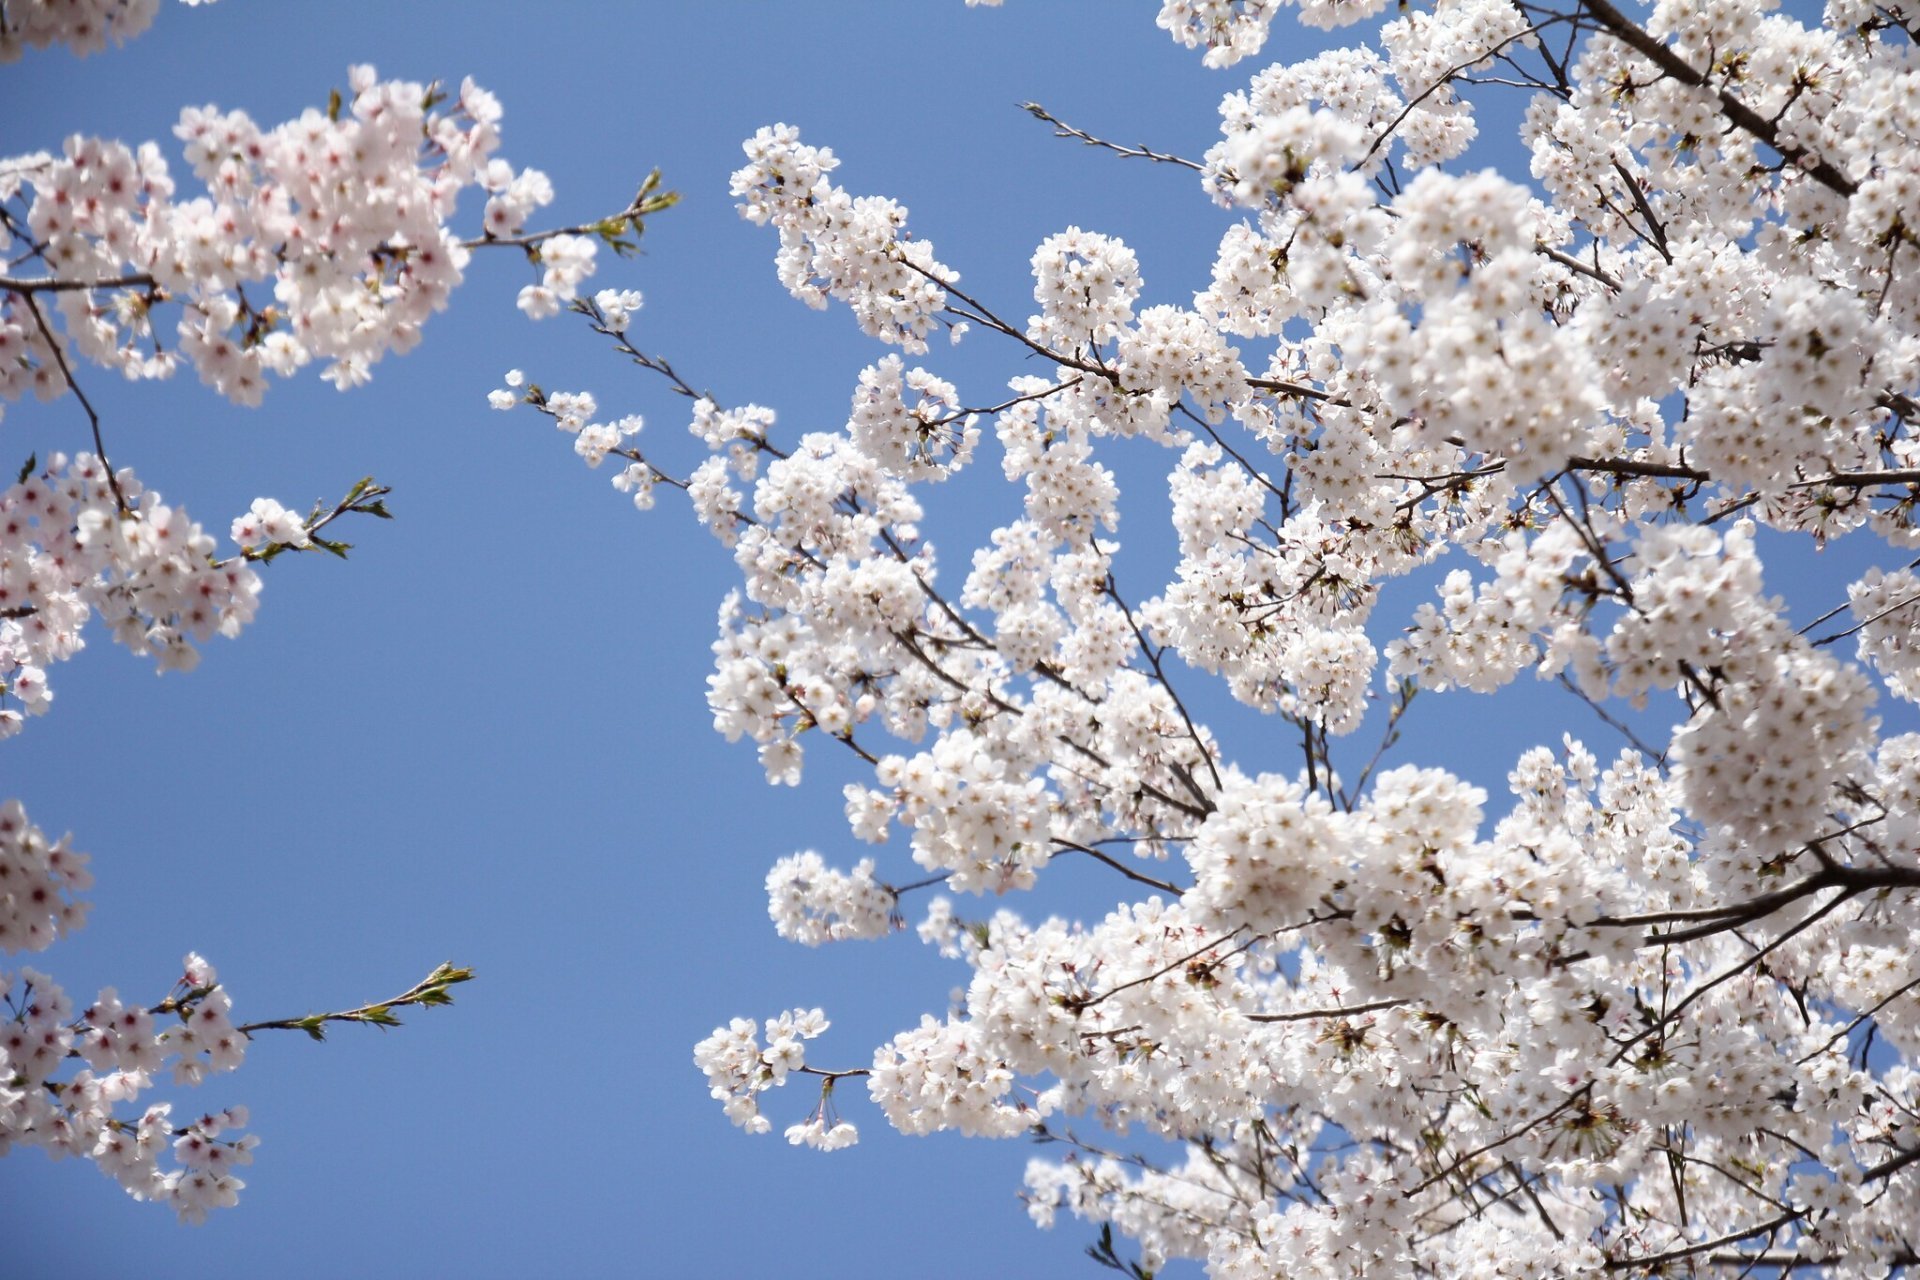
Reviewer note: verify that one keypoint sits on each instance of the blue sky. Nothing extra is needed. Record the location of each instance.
(484, 739)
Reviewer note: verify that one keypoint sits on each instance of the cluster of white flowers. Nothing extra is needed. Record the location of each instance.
(1269, 157)
(565, 263)
(1266, 855)
(1229, 30)
(834, 245)
(1427, 49)
(938, 1076)
(75, 542)
(812, 903)
(616, 306)
(1167, 1213)
(38, 879)
(739, 1069)
(1172, 351)
(343, 215)
(84, 26)
(267, 522)
(1886, 607)
(929, 439)
(1086, 285)
(123, 1046)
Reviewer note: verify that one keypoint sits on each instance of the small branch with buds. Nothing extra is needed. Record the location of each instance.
(426, 993)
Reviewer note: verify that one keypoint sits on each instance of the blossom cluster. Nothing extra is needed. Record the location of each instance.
(76, 541)
(342, 215)
(123, 1046)
(812, 903)
(836, 245)
(739, 1068)
(1643, 1010)
(38, 879)
(84, 26)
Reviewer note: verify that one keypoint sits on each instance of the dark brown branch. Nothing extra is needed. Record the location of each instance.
(51, 284)
(1653, 1264)
(1629, 33)
(1634, 467)
(1892, 1164)
(93, 418)
(1446, 77)
(1068, 846)
(1078, 1006)
(1303, 1015)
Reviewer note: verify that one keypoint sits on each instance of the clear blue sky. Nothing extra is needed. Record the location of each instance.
(485, 738)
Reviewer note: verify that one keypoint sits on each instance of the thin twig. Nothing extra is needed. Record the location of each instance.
(93, 418)
(1061, 129)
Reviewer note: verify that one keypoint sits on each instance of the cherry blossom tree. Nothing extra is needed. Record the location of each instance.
(326, 238)
(1655, 1011)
